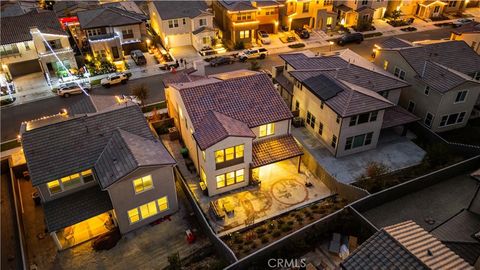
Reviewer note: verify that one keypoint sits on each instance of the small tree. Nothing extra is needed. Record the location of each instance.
(239, 45)
(174, 261)
(141, 92)
(375, 169)
(396, 15)
(255, 66)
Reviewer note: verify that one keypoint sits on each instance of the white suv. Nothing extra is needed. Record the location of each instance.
(259, 53)
(72, 88)
(114, 79)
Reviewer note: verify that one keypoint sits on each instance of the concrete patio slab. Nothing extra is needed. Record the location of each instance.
(393, 150)
(282, 189)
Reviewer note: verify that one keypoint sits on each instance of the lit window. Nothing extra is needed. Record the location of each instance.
(54, 187)
(230, 178)
(239, 151)
(219, 157)
(266, 130)
(385, 65)
(143, 184)
(203, 155)
(329, 21)
(245, 34)
(148, 210)
(133, 215)
(229, 153)
(71, 181)
(220, 181)
(163, 203)
(240, 175)
(87, 176)
(203, 176)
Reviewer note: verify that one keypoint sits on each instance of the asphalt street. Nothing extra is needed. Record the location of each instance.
(12, 116)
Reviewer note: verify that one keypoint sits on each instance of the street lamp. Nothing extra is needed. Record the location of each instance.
(331, 44)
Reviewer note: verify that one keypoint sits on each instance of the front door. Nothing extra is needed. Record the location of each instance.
(115, 53)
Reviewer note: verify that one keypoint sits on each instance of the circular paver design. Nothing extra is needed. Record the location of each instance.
(282, 190)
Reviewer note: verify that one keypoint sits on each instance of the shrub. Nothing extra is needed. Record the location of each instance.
(375, 169)
(264, 239)
(7, 101)
(239, 45)
(375, 34)
(174, 261)
(438, 155)
(276, 233)
(253, 246)
(255, 66)
(290, 223)
(280, 221)
(314, 206)
(296, 45)
(260, 230)
(286, 228)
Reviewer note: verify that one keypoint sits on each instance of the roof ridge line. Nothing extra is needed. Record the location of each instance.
(130, 15)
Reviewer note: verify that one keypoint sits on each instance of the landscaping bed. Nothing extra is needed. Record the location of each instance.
(470, 134)
(247, 241)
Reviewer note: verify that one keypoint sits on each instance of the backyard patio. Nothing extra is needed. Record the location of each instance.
(281, 189)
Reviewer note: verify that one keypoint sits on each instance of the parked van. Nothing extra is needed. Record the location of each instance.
(138, 57)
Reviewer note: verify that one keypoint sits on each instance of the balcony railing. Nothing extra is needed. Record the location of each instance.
(229, 163)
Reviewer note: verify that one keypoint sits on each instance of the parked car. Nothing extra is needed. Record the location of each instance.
(221, 61)
(259, 53)
(264, 37)
(350, 38)
(302, 33)
(138, 57)
(72, 88)
(114, 79)
(462, 21)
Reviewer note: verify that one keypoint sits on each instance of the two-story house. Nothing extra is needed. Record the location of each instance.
(426, 9)
(113, 32)
(345, 100)
(470, 33)
(234, 125)
(35, 42)
(307, 13)
(183, 23)
(98, 171)
(359, 13)
(443, 78)
(239, 21)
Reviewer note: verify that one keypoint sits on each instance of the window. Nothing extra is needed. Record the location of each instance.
(245, 34)
(363, 118)
(452, 119)
(385, 64)
(228, 154)
(266, 130)
(320, 128)
(142, 184)
(373, 116)
(297, 105)
(329, 21)
(338, 119)
(436, 9)
(427, 90)
(461, 96)
(461, 116)
(9, 49)
(385, 94)
(54, 187)
(162, 203)
(334, 141)
(184, 21)
(321, 104)
(230, 178)
(27, 46)
(364, 2)
(172, 23)
(306, 6)
(202, 22)
(127, 33)
(311, 120)
(203, 155)
(428, 119)
(358, 141)
(452, 3)
(133, 215)
(54, 44)
(411, 106)
(206, 40)
(399, 73)
(149, 209)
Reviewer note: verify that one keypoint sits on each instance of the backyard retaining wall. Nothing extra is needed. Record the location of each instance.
(418, 183)
(219, 245)
(348, 192)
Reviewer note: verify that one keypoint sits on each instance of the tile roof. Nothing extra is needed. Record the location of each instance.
(459, 228)
(396, 116)
(84, 106)
(394, 42)
(343, 8)
(79, 206)
(470, 252)
(284, 82)
(74, 144)
(250, 98)
(180, 9)
(274, 149)
(70, 8)
(473, 27)
(442, 78)
(216, 126)
(237, 5)
(404, 246)
(124, 153)
(17, 28)
(108, 16)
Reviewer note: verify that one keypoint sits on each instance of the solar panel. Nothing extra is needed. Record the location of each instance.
(323, 86)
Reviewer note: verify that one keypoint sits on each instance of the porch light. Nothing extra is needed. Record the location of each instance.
(64, 111)
(88, 57)
(276, 23)
(398, 8)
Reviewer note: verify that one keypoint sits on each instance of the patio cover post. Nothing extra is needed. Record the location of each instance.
(299, 163)
(55, 239)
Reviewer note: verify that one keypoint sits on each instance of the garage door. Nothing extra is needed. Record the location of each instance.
(266, 27)
(179, 40)
(23, 68)
(299, 23)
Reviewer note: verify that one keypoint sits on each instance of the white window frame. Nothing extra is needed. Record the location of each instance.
(399, 75)
(431, 121)
(426, 90)
(413, 107)
(459, 93)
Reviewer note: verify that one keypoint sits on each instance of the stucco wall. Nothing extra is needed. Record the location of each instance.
(123, 197)
(23, 54)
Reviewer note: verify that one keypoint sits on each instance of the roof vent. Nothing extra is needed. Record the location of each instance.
(114, 160)
(429, 252)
